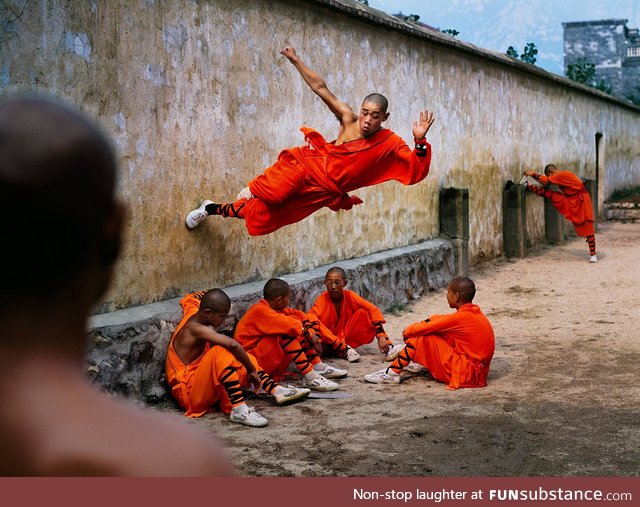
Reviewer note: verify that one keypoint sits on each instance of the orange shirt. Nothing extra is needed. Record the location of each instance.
(574, 203)
(340, 326)
(261, 321)
(470, 336)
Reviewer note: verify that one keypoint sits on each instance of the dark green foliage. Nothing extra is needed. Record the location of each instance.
(529, 55)
(584, 72)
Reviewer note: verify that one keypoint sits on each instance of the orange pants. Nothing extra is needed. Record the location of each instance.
(443, 362)
(204, 388)
(275, 354)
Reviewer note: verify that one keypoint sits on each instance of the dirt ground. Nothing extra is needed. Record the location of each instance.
(563, 397)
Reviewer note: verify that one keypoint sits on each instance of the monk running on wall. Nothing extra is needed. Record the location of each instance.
(307, 178)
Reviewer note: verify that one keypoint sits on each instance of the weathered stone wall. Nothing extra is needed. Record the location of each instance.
(198, 101)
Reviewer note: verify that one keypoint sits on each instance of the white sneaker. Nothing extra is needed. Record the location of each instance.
(197, 215)
(394, 351)
(245, 193)
(593, 258)
(320, 384)
(352, 355)
(332, 372)
(383, 376)
(290, 395)
(247, 416)
(414, 367)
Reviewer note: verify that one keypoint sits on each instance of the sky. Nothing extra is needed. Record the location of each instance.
(498, 24)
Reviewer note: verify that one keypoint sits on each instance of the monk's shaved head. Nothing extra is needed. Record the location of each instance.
(550, 168)
(378, 99)
(276, 287)
(337, 270)
(464, 287)
(216, 300)
(57, 193)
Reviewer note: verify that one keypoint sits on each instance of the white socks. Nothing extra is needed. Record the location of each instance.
(312, 375)
(241, 409)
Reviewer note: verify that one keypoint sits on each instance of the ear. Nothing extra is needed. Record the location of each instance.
(386, 116)
(344, 282)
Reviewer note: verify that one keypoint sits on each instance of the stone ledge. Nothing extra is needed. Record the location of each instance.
(622, 211)
(126, 348)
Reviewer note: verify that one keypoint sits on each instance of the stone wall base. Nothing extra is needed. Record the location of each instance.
(623, 211)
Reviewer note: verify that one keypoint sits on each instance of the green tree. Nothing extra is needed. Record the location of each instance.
(635, 98)
(512, 52)
(451, 31)
(363, 2)
(603, 87)
(529, 55)
(582, 71)
(530, 52)
(413, 18)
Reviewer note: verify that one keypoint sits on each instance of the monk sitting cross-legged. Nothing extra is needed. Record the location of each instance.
(573, 201)
(456, 349)
(321, 174)
(347, 321)
(278, 336)
(205, 368)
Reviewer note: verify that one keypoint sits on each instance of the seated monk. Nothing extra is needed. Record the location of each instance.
(456, 349)
(321, 174)
(347, 321)
(278, 336)
(206, 369)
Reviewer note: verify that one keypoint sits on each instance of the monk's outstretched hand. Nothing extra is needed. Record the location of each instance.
(422, 126)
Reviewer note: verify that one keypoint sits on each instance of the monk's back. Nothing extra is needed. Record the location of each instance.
(62, 426)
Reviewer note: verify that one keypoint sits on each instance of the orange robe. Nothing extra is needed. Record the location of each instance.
(259, 332)
(456, 349)
(307, 178)
(196, 386)
(355, 325)
(573, 202)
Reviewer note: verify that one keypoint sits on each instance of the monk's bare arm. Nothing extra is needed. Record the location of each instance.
(215, 338)
(318, 85)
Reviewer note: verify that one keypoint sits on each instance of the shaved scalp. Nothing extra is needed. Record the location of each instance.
(57, 186)
(276, 287)
(215, 300)
(464, 287)
(550, 168)
(336, 270)
(378, 99)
